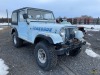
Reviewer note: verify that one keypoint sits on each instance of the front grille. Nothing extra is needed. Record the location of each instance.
(70, 34)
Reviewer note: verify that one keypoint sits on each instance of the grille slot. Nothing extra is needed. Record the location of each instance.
(70, 34)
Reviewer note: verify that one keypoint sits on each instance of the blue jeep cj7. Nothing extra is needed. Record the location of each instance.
(39, 27)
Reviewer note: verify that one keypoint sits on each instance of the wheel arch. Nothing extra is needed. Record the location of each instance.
(14, 30)
(43, 38)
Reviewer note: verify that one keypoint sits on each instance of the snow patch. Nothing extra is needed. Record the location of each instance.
(98, 39)
(88, 43)
(3, 68)
(96, 30)
(1, 28)
(91, 53)
(5, 23)
(90, 34)
(88, 27)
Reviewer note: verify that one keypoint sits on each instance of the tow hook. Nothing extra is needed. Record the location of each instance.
(67, 53)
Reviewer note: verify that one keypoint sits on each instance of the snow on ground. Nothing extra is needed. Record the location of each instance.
(3, 68)
(88, 43)
(88, 27)
(1, 28)
(5, 23)
(98, 39)
(91, 53)
(90, 34)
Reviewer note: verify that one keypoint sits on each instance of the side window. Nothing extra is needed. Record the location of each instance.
(38, 17)
(14, 19)
(21, 19)
(48, 16)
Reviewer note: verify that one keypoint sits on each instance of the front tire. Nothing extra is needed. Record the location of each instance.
(17, 42)
(45, 55)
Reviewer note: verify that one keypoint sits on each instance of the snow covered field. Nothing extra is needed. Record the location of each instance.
(88, 27)
(5, 24)
(3, 68)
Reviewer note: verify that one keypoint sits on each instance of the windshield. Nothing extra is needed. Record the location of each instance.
(40, 15)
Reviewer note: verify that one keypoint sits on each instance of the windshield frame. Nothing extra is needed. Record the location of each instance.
(35, 9)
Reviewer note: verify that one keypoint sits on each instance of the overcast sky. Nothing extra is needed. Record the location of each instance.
(68, 8)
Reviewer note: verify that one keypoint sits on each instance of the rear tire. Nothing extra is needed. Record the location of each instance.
(17, 42)
(45, 55)
(75, 52)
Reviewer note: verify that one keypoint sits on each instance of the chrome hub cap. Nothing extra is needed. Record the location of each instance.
(15, 40)
(42, 56)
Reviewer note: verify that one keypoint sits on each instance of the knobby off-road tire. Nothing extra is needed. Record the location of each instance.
(49, 59)
(75, 52)
(17, 42)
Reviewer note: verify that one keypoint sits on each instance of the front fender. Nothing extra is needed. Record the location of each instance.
(56, 38)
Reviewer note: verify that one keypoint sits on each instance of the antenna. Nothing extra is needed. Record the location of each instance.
(7, 16)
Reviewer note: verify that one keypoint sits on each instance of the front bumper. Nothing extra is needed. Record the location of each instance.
(66, 48)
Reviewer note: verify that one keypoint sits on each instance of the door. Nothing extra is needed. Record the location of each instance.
(22, 26)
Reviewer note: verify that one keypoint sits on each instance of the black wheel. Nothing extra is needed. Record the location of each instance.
(16, 41)
(45, 55)
(75, 52)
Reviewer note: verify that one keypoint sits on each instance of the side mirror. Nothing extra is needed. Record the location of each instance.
(25, 16)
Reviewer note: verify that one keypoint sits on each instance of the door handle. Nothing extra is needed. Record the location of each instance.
(30, 28)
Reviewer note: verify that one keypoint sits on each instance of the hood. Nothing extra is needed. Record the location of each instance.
(55, 27)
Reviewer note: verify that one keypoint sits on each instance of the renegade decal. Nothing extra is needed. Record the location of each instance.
(42, 29)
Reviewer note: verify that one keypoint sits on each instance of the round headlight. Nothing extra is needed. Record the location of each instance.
(62, 33)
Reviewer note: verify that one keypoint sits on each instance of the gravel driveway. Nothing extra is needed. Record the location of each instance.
(21, 60)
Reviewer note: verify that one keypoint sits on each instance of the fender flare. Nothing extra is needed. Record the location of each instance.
(14, 30)
(40, 36)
